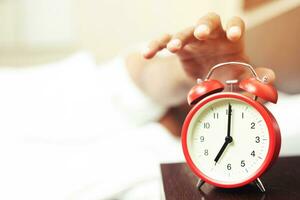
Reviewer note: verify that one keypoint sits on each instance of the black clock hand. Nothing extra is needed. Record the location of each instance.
(221, 150)
(229, 120)
(228, 138)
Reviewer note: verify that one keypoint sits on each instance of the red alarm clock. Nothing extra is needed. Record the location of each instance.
(229, 139)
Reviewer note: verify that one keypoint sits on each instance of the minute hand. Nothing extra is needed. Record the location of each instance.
(229, 120)
(228, 138)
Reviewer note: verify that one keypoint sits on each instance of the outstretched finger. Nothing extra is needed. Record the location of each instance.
(235, 29)
(267, 74)
(208, 26)
(155, 46)
(179, 40)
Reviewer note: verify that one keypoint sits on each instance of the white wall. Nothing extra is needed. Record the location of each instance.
(46, 22)
(8, 23)
(104, 27)
(108, 26)
(36, 23)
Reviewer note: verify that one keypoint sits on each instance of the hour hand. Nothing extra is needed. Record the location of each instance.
(227, 141)
(221, 152)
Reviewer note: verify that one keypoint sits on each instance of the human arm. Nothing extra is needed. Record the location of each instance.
(195, 49)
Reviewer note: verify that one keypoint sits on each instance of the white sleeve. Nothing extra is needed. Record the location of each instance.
(287, 114)
(127, 97)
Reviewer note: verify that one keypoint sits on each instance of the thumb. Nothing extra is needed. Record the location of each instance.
(266, 74)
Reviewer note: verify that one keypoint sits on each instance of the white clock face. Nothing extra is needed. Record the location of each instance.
(247, 142)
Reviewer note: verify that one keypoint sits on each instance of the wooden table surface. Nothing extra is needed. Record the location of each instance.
(282, 182)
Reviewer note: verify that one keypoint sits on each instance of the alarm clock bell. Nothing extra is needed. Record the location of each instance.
(254, 85)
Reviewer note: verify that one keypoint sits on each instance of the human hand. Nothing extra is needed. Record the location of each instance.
(202, 46)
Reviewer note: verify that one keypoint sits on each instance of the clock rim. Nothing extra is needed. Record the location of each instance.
(273, 130)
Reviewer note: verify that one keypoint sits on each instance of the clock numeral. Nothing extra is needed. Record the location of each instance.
(201, 138)
(229, 166)
(243, 163)
(206, 125)
(252, 125)
(257, 139)
(242, 115)
(206, 152)
(253, 153)
(227, 111)
(216, 115)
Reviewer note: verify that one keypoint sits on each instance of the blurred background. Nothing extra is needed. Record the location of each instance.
(39, 31)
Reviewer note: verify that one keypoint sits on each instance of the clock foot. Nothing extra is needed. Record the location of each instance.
(260, 185)
(199, 184)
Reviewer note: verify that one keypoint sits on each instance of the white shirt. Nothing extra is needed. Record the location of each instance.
(74, 130)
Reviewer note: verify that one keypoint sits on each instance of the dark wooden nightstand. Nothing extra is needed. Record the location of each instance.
(282, 182)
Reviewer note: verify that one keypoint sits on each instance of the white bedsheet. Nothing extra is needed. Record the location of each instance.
(67, 131)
